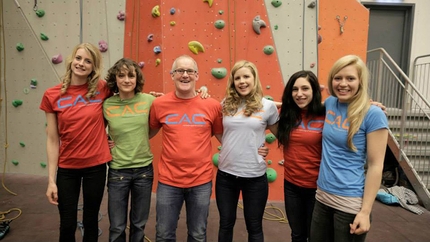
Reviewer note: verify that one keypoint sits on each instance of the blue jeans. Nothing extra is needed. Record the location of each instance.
(122, 183)
(169, 203)
(254, 193)
(332, 225)
(69, 183)
(299, 204)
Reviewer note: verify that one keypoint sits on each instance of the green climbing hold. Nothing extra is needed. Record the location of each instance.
(40, 13)
(271, 174)
(269, 97)
(17, 102)
(33, 82)
(43, 36)
(219, 73)
(219, 147)
(269, 162)
(268, 87)
(26, 90)
(276, 27)
(20, 47)
(215, 159)
(15, 162)
(219, 24)
(276, 3)
(22, 144)
(270, 138)
(219, 60)
(220, 12)
(43, 164)
(268, 49)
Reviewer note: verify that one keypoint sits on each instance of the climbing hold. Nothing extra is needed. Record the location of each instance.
(219, 73)
(121, 15)
(281, 162)
(319, 36)
(103, 46)
(270, 138)
(26, 90)
(258, 23)
(57, 59)
(312, 65)
(276, 27)
(210, 2)
(150, 37)
(220, 12)
(268, 87)
(268, 97)
(157, 62)
(22, 144)
(157, 49)
(268, 49)
(20, 47)
(219, 24)
(141, 64)
(215, 159)
(269, 162)
(17, 102)
(276, 3)
(155, 11)
(33, 83)
(172, 11)
(43, 36)
(172, 23)
(312, 4)
(15, 162)
(40, 13)
(219, 60)
(43, 164)
(219, 147)
(196, 47)
(271, 174)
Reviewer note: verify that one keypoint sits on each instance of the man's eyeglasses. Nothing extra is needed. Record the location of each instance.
(182, 71)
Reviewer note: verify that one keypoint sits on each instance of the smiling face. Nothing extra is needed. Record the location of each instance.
(244, 81)
(82, 64)
(346, 83)
(302, 93)
(126, 82)
(185, 75)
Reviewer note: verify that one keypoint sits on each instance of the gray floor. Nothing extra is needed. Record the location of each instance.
(39, 219)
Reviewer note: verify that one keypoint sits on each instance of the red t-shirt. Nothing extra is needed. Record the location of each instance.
(188, 125)
(302, 156)
(81, 127)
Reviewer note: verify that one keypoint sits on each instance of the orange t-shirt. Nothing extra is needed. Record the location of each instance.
(302, 156)
(188, 125)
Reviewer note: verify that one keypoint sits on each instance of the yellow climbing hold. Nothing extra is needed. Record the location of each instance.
(210, 2)
(196, 47)
(157, 62)
(155, 11)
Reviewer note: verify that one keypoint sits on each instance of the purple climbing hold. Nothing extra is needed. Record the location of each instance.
(103, 46)
(141, 64)
(172, 11)
(57, 59)
(150, 37)
(120, 16)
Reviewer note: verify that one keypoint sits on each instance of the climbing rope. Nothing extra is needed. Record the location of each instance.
(279, 216)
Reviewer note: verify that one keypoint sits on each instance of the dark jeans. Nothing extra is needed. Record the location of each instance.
(169, 203)
(299, 204)
(332, 225)
(122, 183)
(69, 183)
(254, 192)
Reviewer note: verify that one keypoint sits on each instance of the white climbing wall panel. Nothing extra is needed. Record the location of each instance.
(62, 24)
(294, 25)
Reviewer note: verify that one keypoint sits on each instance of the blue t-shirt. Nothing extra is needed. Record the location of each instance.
(342, 170)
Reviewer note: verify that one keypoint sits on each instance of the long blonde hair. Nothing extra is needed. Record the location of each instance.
(92, 78)
(233, 99)
(359, 104)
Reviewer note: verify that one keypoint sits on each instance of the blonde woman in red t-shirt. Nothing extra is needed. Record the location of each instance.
(300, 125)
(77, 145)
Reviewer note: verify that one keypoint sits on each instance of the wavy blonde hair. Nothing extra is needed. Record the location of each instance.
(359, 103)
(92, 78)
(233, 100)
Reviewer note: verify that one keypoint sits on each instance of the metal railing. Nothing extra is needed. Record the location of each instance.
(408, 112)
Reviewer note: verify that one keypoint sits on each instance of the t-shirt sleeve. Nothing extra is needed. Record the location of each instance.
(273, 113)
(153, 119)
(217, 127)
(375, 119)
(45, 104)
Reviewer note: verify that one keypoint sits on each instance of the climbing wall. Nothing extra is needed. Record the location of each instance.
(280, 37)
(35, 36)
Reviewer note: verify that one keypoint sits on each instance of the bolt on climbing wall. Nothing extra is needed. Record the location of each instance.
(38, 39)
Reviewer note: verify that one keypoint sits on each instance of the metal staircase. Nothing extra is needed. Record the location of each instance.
(408, 112)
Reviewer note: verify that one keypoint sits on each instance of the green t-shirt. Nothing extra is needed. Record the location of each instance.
(128, 127)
